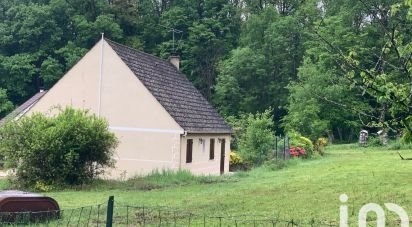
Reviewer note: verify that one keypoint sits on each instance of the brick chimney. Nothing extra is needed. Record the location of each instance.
(175, 60)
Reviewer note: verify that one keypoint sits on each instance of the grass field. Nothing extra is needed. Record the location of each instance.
(305, 190)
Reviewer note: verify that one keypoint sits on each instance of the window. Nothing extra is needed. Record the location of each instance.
(212, 149)
(189, 151)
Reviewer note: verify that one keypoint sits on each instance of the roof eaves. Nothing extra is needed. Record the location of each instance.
(23, 108)
(210, 132)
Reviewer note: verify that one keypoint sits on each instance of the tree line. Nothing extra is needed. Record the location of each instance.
(322, 67)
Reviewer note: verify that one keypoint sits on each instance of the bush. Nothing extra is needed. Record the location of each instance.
(239, 125)
(68, 149)
(320, 145)
(235, 159)
(374, 141)
(256, 143)
(297, 140)
(237, 163)
(297, 152)
(406, 137)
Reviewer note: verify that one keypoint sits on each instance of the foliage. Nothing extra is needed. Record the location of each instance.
(67, 149)
(406, 137)
(377, 60)
(5, 104)
(235, 159)
(236, 163)
(374, 141)
(256, 73)
(297, 140)
(256, 144)
(43, 187)
(297, 152)
(238, 125)
(320, 145)
(322, 142)
(321, 101)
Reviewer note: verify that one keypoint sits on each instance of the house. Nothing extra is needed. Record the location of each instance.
(161, 120)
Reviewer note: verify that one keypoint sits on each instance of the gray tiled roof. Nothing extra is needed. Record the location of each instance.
(23, 107)
(173, 91)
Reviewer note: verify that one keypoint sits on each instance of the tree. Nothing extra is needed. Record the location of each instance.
(210, 30)
(379, 62)
(40, 40)
(256, 74)
(322, 103)
(5, 104)
(17, 75)
(70, 148)
(256, 142)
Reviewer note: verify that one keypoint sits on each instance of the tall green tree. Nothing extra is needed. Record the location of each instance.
(379, 62)
(256, 74)
(40, 40)
(5, 104)
(210, 30)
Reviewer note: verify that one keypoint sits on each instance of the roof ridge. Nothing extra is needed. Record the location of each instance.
(139, 51)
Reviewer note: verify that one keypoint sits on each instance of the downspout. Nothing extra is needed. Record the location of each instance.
(180, 156)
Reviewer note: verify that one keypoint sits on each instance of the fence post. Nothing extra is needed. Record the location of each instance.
(109, 217)
(288, 142)
(284, 148)
(276, 147)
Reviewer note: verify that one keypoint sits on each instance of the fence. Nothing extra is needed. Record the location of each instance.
(116, 214)
(126, 215)
(164, 216)
(83, 216)
(282, 145)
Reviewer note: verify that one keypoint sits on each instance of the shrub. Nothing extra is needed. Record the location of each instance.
(320, 145)
(256, 143)
(297, 152)
(406, 137)
(235, 159)
(374, 141)
(67, 149)
(237, 163)
(239, 125)
(297, 140)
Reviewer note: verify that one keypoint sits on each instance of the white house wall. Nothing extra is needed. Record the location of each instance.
(201, 163)
(149, 136)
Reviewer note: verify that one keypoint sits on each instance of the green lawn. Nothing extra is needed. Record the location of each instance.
(306, 190)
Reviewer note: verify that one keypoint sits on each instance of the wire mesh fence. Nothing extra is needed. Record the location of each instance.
(281, 149)
(126, 215)
(82, 216)
(117, 214)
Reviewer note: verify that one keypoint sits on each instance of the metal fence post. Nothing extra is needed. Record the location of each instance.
(109, 217)
(284, 148)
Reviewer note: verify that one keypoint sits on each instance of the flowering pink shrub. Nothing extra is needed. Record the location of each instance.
(297, 151)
